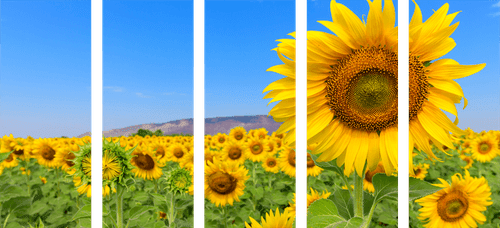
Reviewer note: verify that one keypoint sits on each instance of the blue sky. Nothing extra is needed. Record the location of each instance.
(148, 60)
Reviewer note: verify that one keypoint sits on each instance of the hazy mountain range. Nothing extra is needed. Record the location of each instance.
(212, 126)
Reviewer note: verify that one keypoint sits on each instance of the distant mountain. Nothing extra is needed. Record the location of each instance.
(212, 126)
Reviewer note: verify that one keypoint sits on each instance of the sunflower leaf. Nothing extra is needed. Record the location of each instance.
(331, 165)
(84, 212)
(354, 222)
(386, 187)
(344, 202)
(4, 156)
(420, 188)
(323, 213)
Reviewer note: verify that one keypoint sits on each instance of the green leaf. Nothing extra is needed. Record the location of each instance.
(354, 222)
(323, 213)
(138, 211)
(18, 204)
(420, 188)
(344, 202)
(38, 207)
(13, 225)
(11, 191)
(4, 156)
(331, 165)
(368, 201)
(85, 223)
(386, 187)
(84, 212)
(40, 223)
(259, 193)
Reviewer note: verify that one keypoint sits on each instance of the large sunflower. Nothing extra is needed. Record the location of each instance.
(457, 205)
(352, 86)
(286, 161)
(234, 151)
(224, 182)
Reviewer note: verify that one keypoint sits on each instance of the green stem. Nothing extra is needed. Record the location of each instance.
(347, 184)
(224, 217)
(119, 206)
(171, 217)
(254, 178)
(58, 188)
(6, 219)
(358, 196)
(156, 185)
(27, 178)
(367, 221)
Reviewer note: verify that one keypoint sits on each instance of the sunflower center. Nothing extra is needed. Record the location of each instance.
(178, 152)
(291, 158)
(68, 157)
(234, 153)
(452, 206)
(271, 162)
(10, 158)
(419, 86)
(256, 149)
(160, 152)
(362, 89)
(144, 162)
(484, 148)
(271, 148)
(48, 154)
(222, 140)
(310, 162)
(222, 183)
(238, 135)
(417, 171)
(18, 152)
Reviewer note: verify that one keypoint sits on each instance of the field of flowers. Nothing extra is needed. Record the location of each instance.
(248, 175)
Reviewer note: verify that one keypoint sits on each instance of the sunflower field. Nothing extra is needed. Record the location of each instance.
(249, 182)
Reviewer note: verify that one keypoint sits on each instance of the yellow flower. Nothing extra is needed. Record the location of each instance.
(419, 171)
(458, 205)
(273, 220)
(256, 149)
(234, 151)
(146, 163)
(316, 196)
(352, 104)
(46, 150)
(270, 164)
(224, 182)
(43, 179)
(238, 133)
(286, 161)
(312, 168)
(367, 181)
(485, 148)
(467, 159)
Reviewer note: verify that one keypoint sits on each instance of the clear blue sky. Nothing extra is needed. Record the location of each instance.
(148, 60)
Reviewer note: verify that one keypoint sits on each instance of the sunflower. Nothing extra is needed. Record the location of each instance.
(238, 133)
(467, 159)
(85, 188)
(110, 167)
(419, 171)
(160, 149)
(484, 148)
(270, 164)
(352, 86)
(310, 198)
(7, 141)
(367, 181)
(224, 182)
(286, 161)
(457, 205)
(21, 148)
(175, 152)
(43, 179)
(260, 133)
(146, 163)
(220, 139)
(312, 168)
(10, 161)
(272, 220)
(272, 146)
(46, 150)
(106, 191)
(316, 196)
(210, 154)
(65, 158)
(1, 169)
(234, 151)
(162, 215)
(466, 146)
(256, 149)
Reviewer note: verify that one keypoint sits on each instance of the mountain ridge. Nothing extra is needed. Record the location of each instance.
(212, 126)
